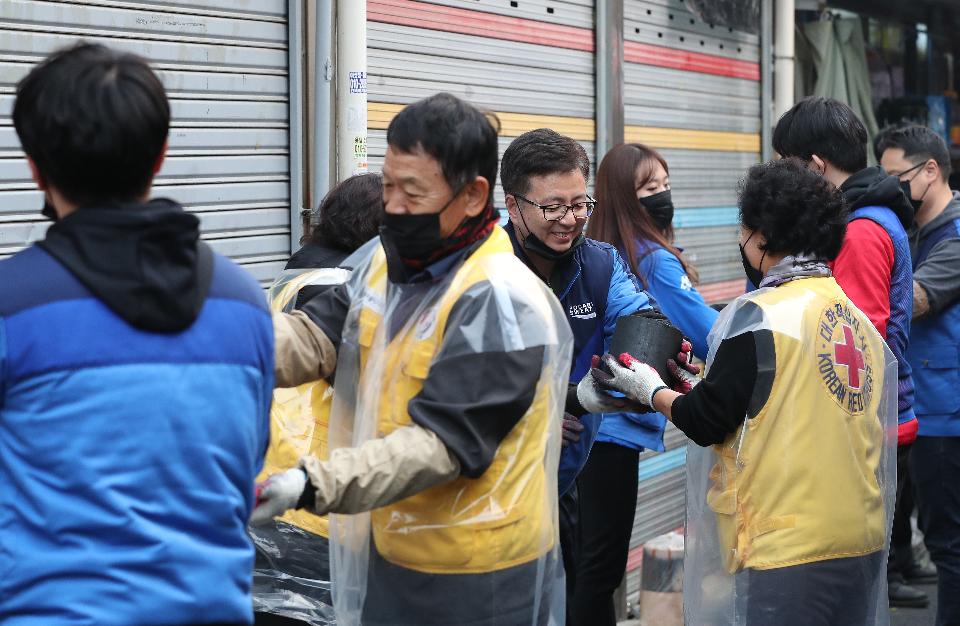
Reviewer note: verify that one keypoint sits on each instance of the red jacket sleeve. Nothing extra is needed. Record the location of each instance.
(863, 270)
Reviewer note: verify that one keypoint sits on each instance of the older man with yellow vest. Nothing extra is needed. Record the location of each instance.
(450, 360)
(789, 509)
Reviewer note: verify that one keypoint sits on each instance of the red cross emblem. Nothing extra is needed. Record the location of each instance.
(849, 355)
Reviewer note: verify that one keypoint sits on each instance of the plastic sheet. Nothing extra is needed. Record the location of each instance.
(291, 575)
(742, 15)
(789, 519)
(472, 547)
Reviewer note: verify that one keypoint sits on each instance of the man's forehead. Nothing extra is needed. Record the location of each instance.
(557, 185)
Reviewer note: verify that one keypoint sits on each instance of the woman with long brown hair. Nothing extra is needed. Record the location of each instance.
(634, 213)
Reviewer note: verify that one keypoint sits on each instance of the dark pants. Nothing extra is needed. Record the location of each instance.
(901, 549)
(608, 501)
(826, 593)
(398, 596)
(569, 514)
(935, 466)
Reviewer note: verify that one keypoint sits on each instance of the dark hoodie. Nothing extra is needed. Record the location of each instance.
(144, 261)
(874, 187)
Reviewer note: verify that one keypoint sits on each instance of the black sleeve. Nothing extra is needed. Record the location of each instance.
(328, 310)
(734, 387)
(472, 399)
(572, 404)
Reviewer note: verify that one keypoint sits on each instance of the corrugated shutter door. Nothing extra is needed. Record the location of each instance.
(225, 71)
(692, 91)
(531, 64)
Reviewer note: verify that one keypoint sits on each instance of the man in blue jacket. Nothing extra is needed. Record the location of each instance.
(136, 371)
(544, 177)
(920, 159)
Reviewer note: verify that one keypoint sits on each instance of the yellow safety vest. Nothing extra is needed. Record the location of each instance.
(798, 482)
(299, 419)
(470, 525)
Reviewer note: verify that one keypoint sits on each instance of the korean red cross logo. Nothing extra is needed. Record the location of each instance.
(847, 354)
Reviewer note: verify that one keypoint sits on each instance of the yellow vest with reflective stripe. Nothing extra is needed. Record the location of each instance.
(470, 525)
(798, 482)
(299, 421)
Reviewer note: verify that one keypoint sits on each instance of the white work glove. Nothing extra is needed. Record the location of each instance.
(593, 397)
(277, 494)
(634, 379)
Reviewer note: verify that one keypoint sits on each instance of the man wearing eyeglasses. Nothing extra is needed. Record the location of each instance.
(545, 182)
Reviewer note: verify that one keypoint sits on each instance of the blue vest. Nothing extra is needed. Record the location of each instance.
(935, 354)
(901, 302)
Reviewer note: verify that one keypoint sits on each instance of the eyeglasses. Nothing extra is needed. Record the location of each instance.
(556, 212)
(905, 172)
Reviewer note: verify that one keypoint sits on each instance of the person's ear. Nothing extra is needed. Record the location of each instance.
(931, 170)
(513, 209)
(475, 196)
(818, 165)
(159, 162)
(36, 175)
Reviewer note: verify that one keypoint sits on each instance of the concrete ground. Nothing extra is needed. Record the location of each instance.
(917, 617)
(898, 617)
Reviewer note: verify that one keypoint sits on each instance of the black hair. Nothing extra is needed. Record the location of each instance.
(795, 209)
(825, 127)
(537, 153)
(462, 138)
(350, 213)
(94, 121)
(919, 145)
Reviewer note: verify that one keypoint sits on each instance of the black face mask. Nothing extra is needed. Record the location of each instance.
(660, 208)
(754, 275)
(48, 211)
(412, 238)
(916, 204)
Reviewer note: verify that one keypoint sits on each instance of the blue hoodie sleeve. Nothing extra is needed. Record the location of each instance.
(677, 297)
(625, 296)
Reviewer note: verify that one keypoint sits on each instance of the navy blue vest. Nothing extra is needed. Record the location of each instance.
(935, 354)
(901, 301)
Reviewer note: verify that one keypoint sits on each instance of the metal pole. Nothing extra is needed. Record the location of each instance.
(766, 79)
(351, 75)
(783, 57)
(323, 155)
(295, 88)
(608, 59)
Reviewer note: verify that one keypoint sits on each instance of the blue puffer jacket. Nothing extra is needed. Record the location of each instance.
(128, 456)
(595, 288)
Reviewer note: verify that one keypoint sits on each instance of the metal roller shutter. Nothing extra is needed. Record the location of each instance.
(531, 64)
(226, 74)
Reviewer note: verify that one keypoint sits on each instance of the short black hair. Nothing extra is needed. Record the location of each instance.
(795, 209)
(94, 121)
(461, 137)
(538, 153)
(919, 144)
(825, 127)
(350, 214)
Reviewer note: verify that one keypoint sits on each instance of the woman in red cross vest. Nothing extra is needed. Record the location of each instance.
(790, 485)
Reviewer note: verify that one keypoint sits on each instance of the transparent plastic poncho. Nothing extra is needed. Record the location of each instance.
(805, 501)
(291, 572)
(416, 539)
